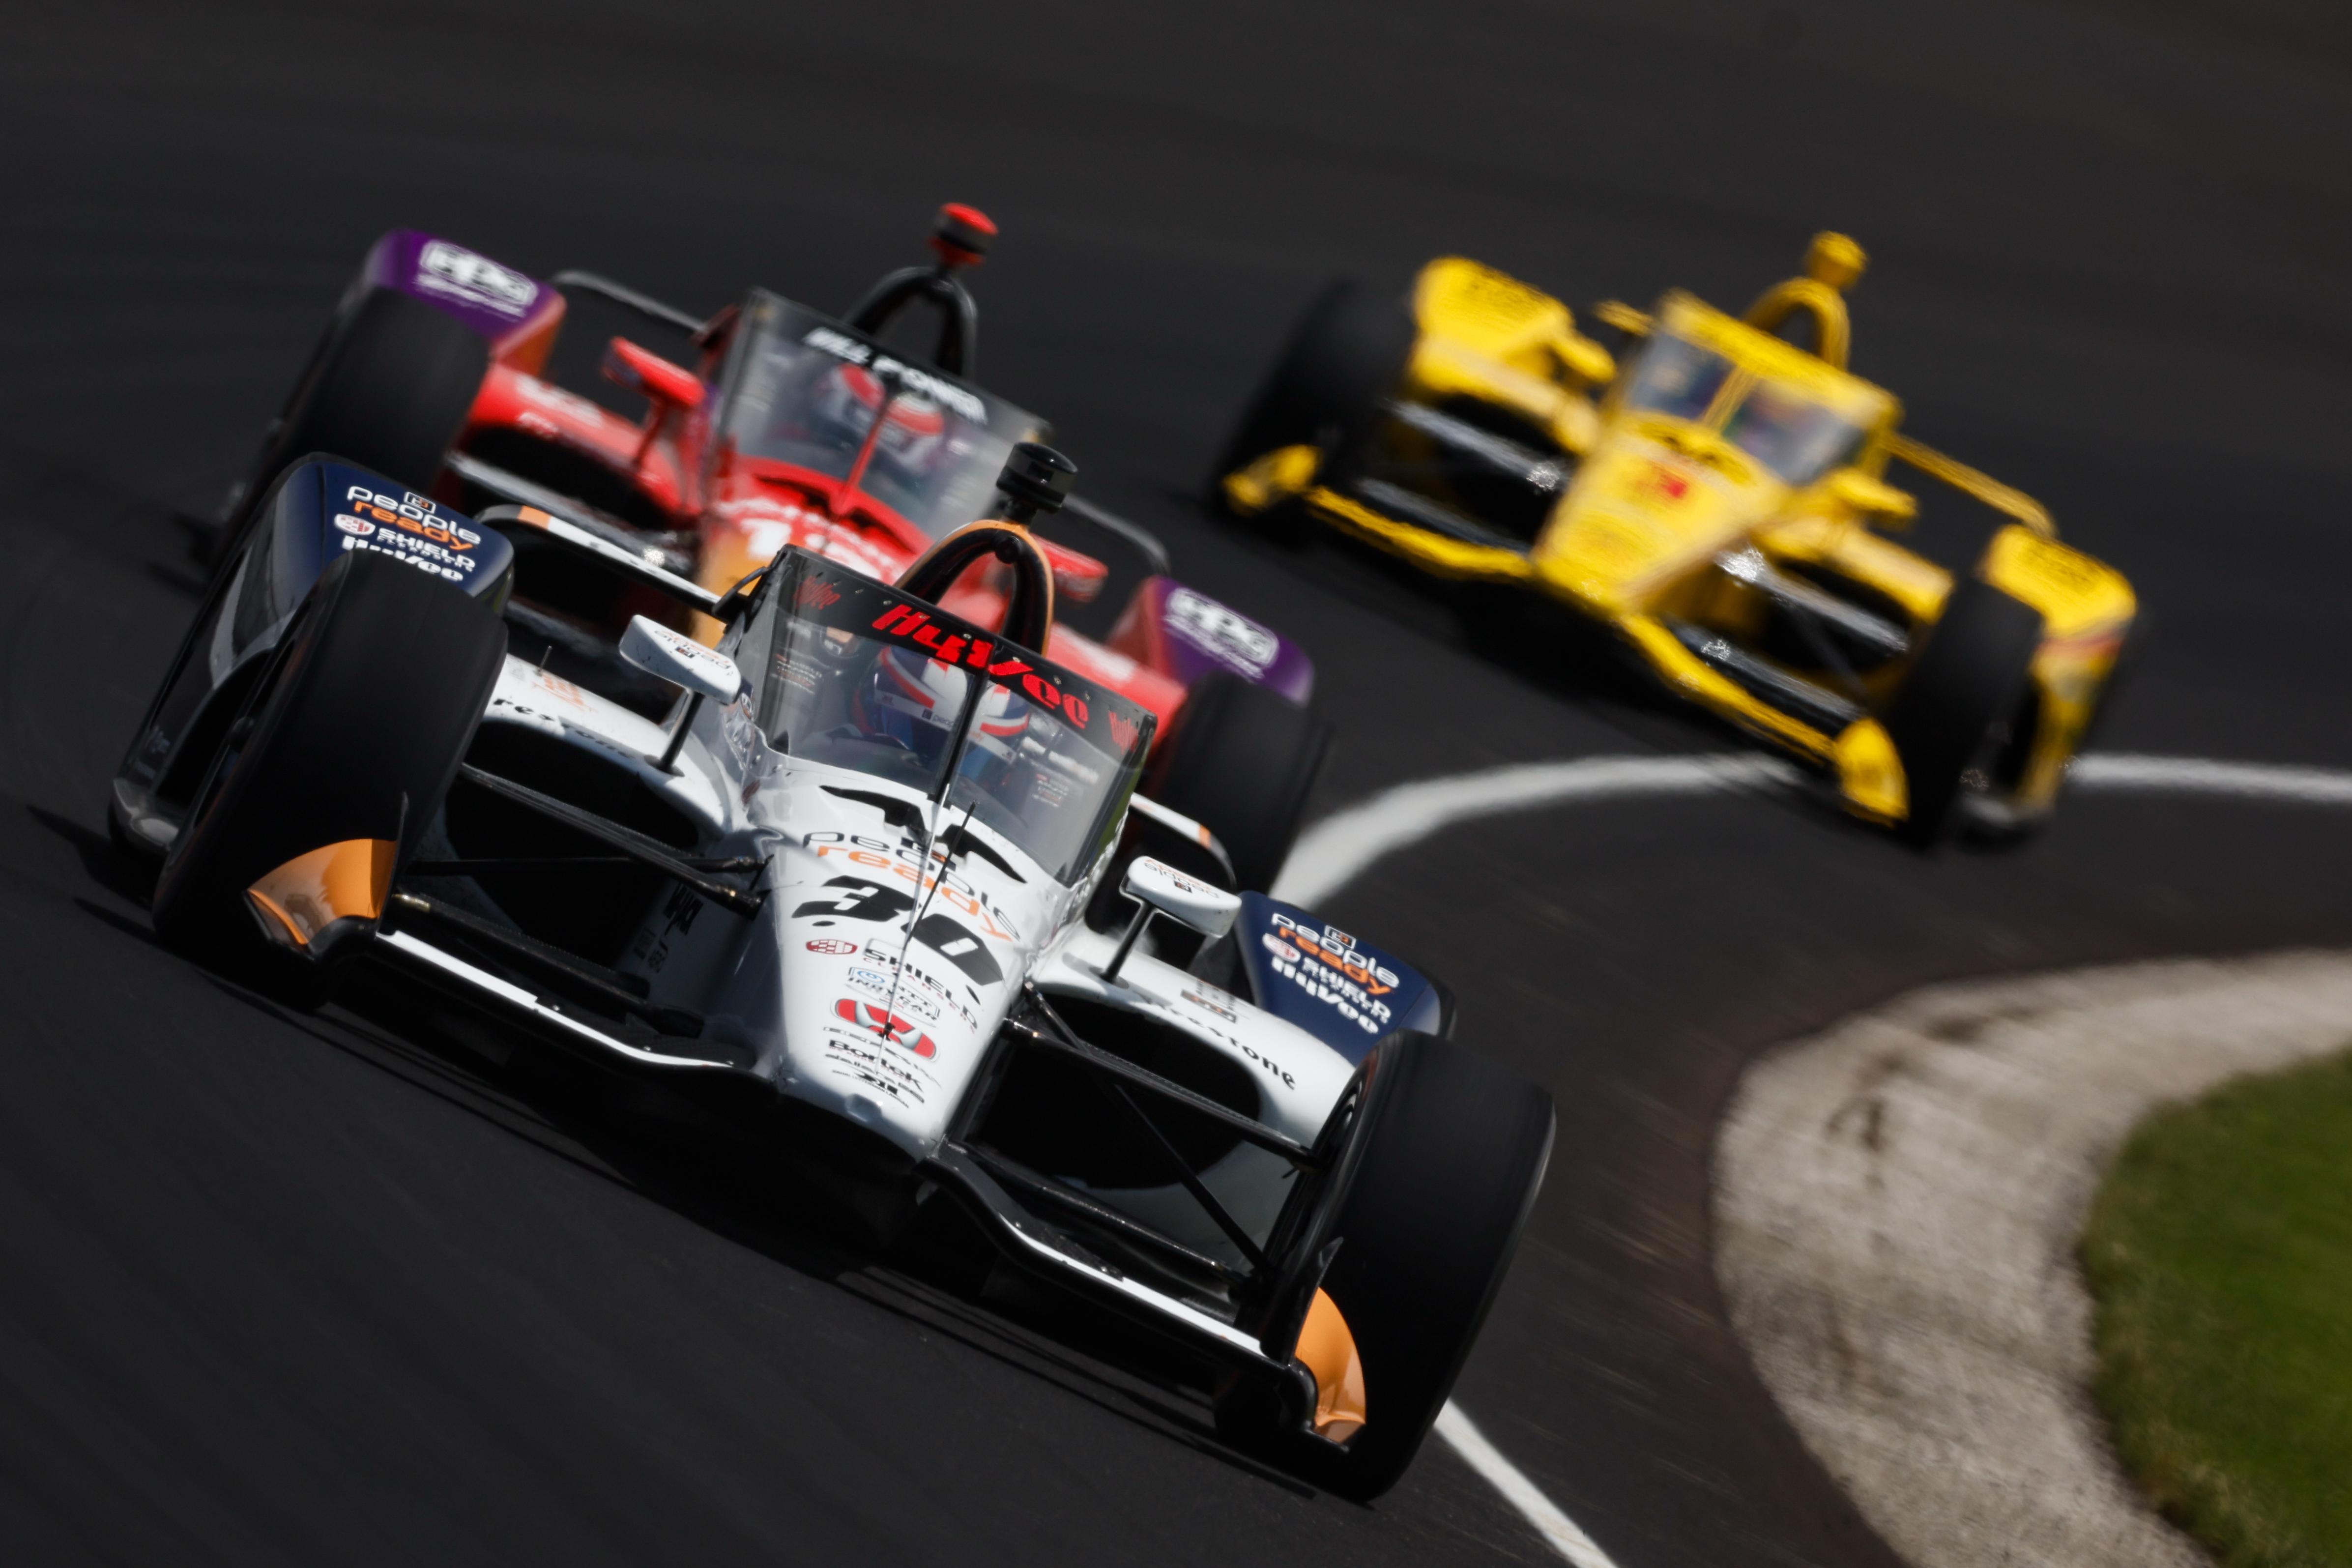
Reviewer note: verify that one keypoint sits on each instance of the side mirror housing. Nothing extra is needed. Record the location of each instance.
(1076, 576)
(644, 372)
(1876, 498)
(681, 660)
(1188, 900)
(1159, 889)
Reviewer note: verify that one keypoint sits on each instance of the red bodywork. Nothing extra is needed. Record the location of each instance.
(747, 509)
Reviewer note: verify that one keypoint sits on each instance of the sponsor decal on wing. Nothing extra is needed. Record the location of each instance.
(1328, 981)
(1225, 634)
(454, 270)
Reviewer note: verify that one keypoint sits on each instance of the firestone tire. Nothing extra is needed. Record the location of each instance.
(389, 388)
(1436, 1181)
(1242, 760)
(1968, 680)
(356, 731)
(1346, 355)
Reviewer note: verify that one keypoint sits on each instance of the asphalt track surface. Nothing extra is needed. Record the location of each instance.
(287, 1289)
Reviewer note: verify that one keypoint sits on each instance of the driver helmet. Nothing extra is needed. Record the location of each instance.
(913, 440)
(914, 700)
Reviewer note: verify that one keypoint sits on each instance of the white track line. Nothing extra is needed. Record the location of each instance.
(1559, 1530)
(1340, 849)
(1343, 845)
(2121, 772)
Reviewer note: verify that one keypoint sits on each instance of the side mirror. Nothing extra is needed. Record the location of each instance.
(1076, 575)
(644, 372)
(681, 660)
(1159, 889)
(1874, 498)
(669, 390)
(1188, 900)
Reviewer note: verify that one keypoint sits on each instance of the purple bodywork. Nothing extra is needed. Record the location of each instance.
(1189, 635)
(494, 301)
(1182, 631)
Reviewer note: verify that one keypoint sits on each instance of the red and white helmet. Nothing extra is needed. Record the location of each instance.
(916, 701)
(915, 434)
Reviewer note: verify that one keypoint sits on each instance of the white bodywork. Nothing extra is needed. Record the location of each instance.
(841, 1005)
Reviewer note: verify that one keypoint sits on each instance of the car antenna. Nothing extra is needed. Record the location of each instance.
(1034, 478)
(929, 883)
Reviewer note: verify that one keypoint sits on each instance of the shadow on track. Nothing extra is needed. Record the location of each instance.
(717, 1156)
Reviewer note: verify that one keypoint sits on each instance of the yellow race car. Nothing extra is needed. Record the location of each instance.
(1723, 502)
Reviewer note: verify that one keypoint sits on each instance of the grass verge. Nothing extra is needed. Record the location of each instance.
(2219, 1252)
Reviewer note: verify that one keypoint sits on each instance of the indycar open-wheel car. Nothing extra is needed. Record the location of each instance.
(851, 866)
(1720, 501)
(789, 427)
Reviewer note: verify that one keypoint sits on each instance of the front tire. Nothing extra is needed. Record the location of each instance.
(1969, 677)
(1435, 1184)
(1346, 355)
(356, 731)
(389, 388)
(1242, 760)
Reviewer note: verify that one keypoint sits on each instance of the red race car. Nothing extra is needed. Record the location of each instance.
(793, 427)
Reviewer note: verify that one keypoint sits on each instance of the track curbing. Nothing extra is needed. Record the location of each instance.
(1337, 849)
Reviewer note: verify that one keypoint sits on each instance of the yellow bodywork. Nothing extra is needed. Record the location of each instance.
(1671, 481)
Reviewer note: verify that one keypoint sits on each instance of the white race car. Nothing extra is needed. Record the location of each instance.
(855, 866)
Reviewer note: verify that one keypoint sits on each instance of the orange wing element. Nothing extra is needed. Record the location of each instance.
(303, 904)
(1329, 1351)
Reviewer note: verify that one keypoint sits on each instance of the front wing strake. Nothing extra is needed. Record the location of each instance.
(449, 971)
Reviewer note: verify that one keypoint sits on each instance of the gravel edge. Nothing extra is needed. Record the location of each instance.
(1898, 1201)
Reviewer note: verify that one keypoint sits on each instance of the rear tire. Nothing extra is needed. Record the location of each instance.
(1346, 355)
(389, 388)
(1969, 679)
(1439, 1173)
(1242, 760)
(356, 731)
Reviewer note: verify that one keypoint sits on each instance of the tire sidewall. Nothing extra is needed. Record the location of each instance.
(356, 732)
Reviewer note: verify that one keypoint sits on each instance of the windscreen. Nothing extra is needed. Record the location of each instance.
(1677, 377)
(1798, 437)
(807, 391)
(858, 676)
(1791, 433)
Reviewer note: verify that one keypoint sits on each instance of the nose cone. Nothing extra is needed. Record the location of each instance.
(1641, 512)
(865, 1039)
(878, 1027)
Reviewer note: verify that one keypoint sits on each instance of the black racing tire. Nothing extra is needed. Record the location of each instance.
(1969, 679)
(356, 731)
(388, 388)
(1241, 760)
(1345, 355)
(1438, 1175)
